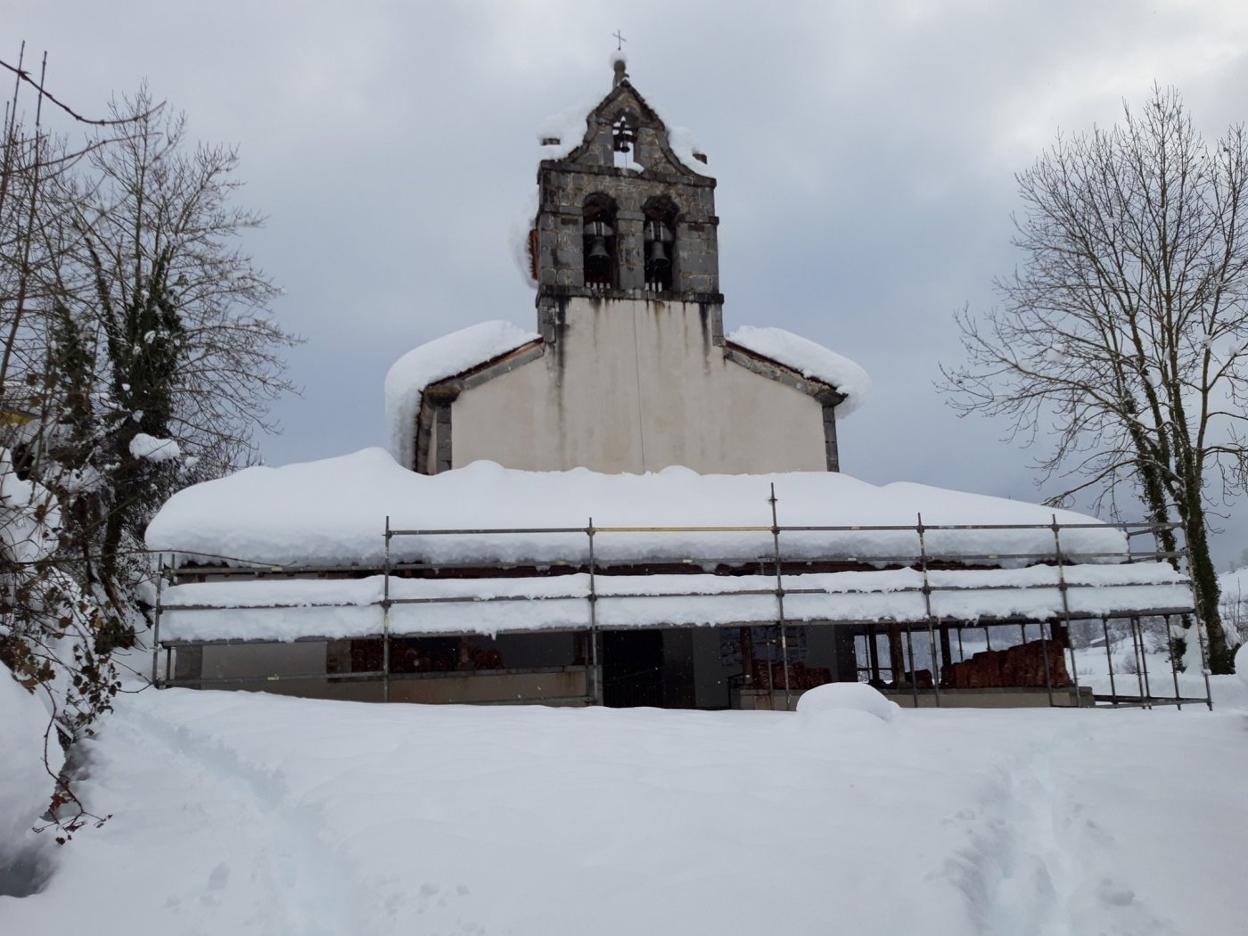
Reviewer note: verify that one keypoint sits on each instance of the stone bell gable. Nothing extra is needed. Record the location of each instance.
(622, 215)
(629, 369)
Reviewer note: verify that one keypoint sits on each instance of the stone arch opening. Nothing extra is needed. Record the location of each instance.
(599, 243)
(660, 243)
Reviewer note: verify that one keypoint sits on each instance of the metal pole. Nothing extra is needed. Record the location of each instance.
(1174, 670)
(160, 574)
(1109, 658)
(385, 618)
(168, 663)
(927, 606)
(931, 647)
(961, 652)
(1148, 688)
(595, 670)
(1135, 645)
(1044, 652)
(1061, 587)
(914, 681)
(784, 639)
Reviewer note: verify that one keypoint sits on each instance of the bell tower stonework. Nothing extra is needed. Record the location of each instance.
(629, 369)
(621, 216)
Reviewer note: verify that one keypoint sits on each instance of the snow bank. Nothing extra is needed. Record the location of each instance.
(333, 512)
(338, 608)
(153, 448)
(810, 359)
(252, 813)
(437, 360)
(839, 697)
(25, 787)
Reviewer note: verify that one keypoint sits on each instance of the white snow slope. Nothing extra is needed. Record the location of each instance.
(810, 359)
(237, 813)
(436, 360)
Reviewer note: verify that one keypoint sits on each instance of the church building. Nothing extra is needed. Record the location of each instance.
(627, 505)
(629, 369)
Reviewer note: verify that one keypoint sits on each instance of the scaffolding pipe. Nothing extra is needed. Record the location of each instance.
(914, 678)
(1174, 670)
(160, 574)
(1109, 659)
(597, 694)
(385, 619)
(927, 607)
(1070, 642)
(1148, 689)
(1136, 645)
(784, 637)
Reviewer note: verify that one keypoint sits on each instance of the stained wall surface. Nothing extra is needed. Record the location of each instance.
(634, 385)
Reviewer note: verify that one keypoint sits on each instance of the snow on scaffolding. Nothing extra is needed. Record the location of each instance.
(333, 512)
(288, 609)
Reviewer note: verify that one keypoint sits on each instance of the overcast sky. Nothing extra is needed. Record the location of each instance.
(865, 155)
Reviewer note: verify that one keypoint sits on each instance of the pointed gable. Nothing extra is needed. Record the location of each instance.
(624, 117)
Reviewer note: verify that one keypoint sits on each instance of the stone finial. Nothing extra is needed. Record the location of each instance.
(620, 65)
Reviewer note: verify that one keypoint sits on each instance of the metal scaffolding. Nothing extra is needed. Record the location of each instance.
(937, 628)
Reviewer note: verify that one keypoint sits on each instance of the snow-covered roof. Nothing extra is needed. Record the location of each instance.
(810, 359)
(333, 512)
(437, 360)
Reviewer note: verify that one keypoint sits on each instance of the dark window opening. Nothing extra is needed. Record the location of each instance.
(598, 242)
(660, 244)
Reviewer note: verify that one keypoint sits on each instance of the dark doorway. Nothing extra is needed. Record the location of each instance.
(632, 668)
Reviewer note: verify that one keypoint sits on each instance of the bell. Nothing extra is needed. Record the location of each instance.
(658, 253)
(598, 249)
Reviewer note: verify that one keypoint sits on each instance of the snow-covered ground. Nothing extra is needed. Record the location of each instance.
(241, 813)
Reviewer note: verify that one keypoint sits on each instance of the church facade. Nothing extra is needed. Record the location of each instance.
(629, 369)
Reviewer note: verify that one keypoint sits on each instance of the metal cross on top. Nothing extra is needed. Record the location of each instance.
(619, 41)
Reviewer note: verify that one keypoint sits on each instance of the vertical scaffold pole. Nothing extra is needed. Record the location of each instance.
(1070, 641)
(784, 637)
(595, 669)
(1204, 660)
(160, 575)
(1148, 687)
(914, 681)
(1174, 669)
(385, 618)
(1136, 641)
(927, 607)
(1109, 659)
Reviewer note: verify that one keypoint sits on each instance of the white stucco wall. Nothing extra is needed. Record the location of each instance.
(632, 386)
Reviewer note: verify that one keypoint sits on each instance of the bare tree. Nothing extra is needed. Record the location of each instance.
(138, 356)
(1124, 334)
(186, 348)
